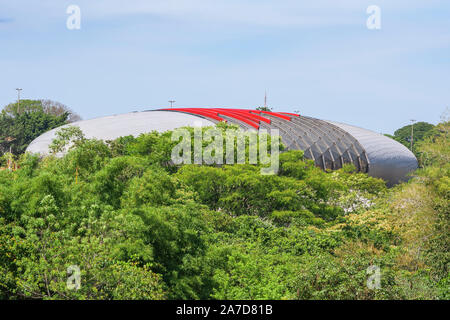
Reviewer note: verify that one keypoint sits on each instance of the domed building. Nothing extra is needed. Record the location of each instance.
(330, 144)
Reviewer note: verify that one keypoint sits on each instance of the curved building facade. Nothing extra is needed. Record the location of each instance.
(329, 144)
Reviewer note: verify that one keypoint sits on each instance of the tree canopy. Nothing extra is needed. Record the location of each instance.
(421, 131)
(139, 227)
(21, 124)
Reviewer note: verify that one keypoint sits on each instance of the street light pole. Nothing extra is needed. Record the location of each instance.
(412, 133)
(172, 102)
(18, 99)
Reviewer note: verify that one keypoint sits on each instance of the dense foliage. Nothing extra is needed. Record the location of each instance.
(139, 227)
(419, 132)
(22, 123)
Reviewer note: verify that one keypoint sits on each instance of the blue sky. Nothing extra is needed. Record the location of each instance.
(314, 56)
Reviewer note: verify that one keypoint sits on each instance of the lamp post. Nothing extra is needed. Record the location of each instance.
(412, 133)
(18, 99)
(172, 102)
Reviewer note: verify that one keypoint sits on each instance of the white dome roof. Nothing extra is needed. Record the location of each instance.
(329, 144)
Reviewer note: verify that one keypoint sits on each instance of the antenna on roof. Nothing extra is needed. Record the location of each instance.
(265, 100)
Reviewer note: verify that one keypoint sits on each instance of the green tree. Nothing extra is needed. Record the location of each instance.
(21, 125)
(264, 109)
(421, 130)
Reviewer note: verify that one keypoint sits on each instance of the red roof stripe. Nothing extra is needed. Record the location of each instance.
(204, 112)
(277, 115)
(247, 114)
(250, 117)
(239, 117)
